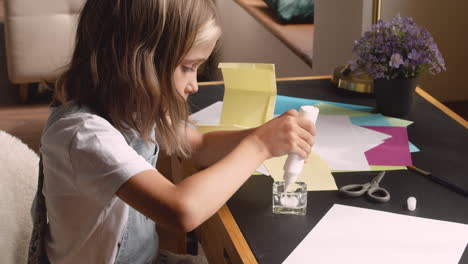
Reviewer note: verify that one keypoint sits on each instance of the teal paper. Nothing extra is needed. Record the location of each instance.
(362, 108)
(413, 148)
(284, 103)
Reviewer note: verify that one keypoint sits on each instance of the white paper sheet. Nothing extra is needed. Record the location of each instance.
(210, 115)
(355, 235)
(263, 170)
(369, 138)
(338, 144)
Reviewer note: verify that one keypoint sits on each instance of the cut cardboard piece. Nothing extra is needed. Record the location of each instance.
(249, 93)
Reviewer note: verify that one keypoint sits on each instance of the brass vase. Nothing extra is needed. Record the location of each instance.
(345, 79)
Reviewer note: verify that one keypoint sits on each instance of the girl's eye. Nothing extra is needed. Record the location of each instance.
(187, 69)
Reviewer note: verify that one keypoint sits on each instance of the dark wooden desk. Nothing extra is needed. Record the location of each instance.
(245, 231)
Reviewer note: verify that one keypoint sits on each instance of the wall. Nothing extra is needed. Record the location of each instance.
(337, 24)
(340, 22)
(447, 23)
(246, 40)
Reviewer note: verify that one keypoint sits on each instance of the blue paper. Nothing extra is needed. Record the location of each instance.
(284, 103)
(370, 120)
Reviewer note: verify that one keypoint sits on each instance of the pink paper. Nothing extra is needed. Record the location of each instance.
(394, 151)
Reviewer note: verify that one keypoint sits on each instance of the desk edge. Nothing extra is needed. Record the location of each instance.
(442, 107)
(282, 79)
(236, 235)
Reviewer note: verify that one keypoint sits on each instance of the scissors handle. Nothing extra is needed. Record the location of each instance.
(379, 194)
(355, 190)
(378, 178)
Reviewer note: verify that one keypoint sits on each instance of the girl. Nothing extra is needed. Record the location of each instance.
(122, 97)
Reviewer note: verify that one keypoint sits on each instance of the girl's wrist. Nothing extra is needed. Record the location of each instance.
(259, 146)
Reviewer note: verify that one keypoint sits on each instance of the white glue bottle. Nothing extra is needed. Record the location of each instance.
(294, 164)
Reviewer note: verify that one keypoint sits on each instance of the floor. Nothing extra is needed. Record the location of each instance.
(24, 122)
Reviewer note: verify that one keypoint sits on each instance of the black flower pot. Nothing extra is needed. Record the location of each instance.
(394, 97)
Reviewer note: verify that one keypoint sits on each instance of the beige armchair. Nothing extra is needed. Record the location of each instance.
(19, 166)
(39, 36)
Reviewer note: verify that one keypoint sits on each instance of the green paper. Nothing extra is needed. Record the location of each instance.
(387, 168)
(398, 122)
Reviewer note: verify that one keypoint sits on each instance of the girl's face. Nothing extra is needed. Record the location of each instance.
(185, 75)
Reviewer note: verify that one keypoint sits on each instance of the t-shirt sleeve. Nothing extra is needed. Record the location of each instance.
(102, 160)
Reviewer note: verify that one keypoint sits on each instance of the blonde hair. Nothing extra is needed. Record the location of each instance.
(207, 32)
(125, 54)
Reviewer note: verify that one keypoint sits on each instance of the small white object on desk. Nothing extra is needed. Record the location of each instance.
(411, 203)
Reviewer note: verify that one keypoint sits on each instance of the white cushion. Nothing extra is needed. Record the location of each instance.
(39, 36)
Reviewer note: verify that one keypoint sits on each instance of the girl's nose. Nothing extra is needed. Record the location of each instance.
(192, 88)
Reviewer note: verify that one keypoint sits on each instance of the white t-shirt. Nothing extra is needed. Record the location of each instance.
(85, 161)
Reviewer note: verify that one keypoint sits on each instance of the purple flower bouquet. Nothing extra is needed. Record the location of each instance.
(396, 49)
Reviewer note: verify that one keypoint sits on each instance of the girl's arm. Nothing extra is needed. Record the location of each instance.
(192, 201)
(210, 147)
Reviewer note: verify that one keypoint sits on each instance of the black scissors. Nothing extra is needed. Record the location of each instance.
(372, 188)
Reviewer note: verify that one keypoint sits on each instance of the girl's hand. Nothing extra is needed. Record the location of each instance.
(285, 134)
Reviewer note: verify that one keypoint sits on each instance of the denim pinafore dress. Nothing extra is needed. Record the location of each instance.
(139, 242)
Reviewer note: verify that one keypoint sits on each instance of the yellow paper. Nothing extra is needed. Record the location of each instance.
(316, 173)
(249, 93)
(209, 128)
